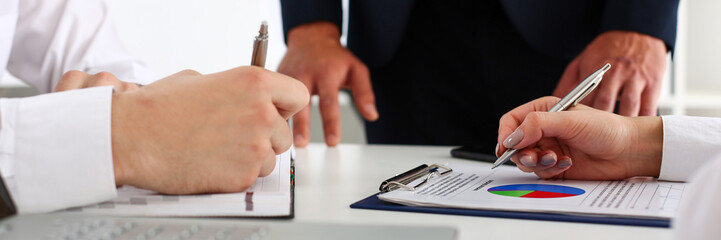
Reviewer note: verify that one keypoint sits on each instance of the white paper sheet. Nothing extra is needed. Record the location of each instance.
(476, 186)
(269, 196)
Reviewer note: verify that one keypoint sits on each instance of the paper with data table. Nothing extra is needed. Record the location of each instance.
(269, 196)
(476, 186)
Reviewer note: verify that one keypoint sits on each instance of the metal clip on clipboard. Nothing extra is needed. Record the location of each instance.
(402, 180)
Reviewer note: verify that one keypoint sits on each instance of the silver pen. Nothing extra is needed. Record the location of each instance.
(260, 46)
(571, 99)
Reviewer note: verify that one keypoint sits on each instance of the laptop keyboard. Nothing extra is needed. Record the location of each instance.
(117, 228)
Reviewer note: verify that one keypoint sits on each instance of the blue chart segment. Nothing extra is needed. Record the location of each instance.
(536, 191)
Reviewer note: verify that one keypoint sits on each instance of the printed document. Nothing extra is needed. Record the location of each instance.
(476, 186)
(269, 196)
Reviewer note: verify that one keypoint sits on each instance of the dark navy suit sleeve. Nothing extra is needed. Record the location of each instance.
(298, 12)
(656, 18)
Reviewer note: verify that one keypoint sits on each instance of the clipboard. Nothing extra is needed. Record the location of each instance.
(374, 203)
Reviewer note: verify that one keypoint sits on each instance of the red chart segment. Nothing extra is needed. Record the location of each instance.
(543, 194)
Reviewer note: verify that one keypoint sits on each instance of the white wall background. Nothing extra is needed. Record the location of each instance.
(703, 46)
(699, 60)
(208, 36)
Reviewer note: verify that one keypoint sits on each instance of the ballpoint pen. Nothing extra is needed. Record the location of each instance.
(260, 46)
(260, 50)
(568, 101)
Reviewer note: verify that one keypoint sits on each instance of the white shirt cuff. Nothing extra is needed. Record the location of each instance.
(62, 155)
(688, 143)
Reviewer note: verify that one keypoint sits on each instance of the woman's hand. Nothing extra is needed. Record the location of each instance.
(582, 143)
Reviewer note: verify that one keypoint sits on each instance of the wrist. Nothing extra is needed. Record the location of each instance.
(119, 135)
(646, 157)
(315, 32)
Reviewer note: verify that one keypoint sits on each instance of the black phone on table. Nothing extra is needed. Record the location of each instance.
(477, 153)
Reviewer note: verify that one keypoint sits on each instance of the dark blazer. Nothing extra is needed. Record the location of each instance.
(558, 28)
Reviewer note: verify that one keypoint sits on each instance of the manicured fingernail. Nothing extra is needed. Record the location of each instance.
(563, 163)
(298, 138)
(527, 161)
(513, 139)
(548, 160)
(372, 111)
(496, 152)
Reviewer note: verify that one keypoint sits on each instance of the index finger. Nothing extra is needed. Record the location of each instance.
(287, 94)
(511, 120)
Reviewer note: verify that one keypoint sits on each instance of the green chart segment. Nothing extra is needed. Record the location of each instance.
(536, 191)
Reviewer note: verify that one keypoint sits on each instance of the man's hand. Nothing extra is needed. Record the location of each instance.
(316, 58)
(582, 143)
(192, 133)
(77, 80)
(638, 66)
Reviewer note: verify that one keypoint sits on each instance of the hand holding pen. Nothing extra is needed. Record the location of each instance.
(583, 143)
(570, 100)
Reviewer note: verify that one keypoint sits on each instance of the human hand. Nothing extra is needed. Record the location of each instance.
(639, 64)
(582, 143)
(192, 133)
(77, 79)
(316, 58)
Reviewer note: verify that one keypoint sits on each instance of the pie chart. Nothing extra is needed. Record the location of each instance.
(536, 191)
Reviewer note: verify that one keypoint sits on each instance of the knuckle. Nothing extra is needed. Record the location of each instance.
(255, 79)
(73, 75)
(190, 72)
(129, 85)
(103, 82)
(328, 67)
(505, 117)
(534, 118)
(328, 100)
(105, 76)
(604, 99)
(257, 153)
(266, 116)
(303, 75)
(631, 99)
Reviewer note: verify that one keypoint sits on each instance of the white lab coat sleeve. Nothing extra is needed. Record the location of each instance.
(688, 143)
(56, 149)
(53, 37)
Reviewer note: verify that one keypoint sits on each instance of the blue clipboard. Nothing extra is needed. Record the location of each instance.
(373, 202)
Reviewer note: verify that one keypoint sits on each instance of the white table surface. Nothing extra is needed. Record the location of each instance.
(328, 180)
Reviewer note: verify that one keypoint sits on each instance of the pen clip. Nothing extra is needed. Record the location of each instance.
(585, 93)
